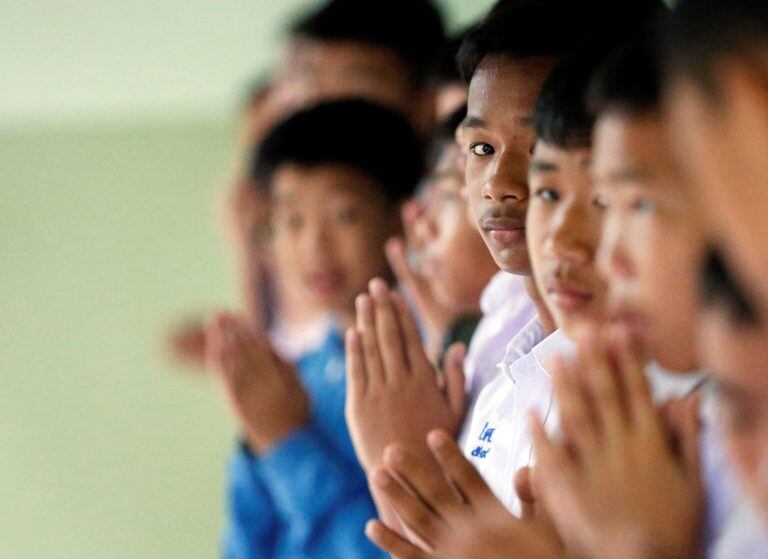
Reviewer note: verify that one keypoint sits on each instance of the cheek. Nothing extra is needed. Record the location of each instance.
(535, 234)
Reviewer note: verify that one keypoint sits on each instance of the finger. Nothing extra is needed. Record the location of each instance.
(366, 327)
(214, 343)
(524, 490)
(406, 276)
(637, 387)
(576, 420)
(355, 364)
(411, 510)
(606, 392)
(689, 433)
(423, 476)
(553, 463)
(388, 331)
(463, 475)
(455, 383)
(418, 361)
(391, 542)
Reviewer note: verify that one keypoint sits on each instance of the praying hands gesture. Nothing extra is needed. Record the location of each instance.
(394, 393)
(264, 392)
(621, 483)
(454, 515)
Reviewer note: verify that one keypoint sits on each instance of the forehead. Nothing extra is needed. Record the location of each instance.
(294, 183)
(628, 145)
(506, 88)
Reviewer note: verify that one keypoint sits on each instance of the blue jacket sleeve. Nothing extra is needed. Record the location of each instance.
(324, 500)
(252, 525)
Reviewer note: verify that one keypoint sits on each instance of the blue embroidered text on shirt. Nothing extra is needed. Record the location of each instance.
(480, 452)
(487, 433)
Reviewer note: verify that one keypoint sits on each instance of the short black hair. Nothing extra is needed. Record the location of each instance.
(532, 28)
(630, 79)
(720, 289)
(374, 139)
(446, 67)
(701, 33)
(412, 28)
(561, 116)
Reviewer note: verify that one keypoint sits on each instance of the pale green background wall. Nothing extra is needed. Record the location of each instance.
(115, 126)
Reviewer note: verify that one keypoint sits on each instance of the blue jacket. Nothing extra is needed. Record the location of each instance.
(307, 497)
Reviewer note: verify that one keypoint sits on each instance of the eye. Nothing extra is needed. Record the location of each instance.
(346, 215)
(600, 202)
(482, 149)
(642, 205)
(547, 195)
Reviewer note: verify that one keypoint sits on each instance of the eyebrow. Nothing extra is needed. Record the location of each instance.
(477, 122)
(543, 166)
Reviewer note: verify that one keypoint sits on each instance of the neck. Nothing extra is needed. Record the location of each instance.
(545, 317)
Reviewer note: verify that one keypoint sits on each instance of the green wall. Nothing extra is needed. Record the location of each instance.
(115, 130)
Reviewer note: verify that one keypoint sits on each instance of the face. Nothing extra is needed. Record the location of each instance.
(325, 70)
(738, 356)
(498, 137)
(456, 262)
(329, 226)
(722, 147)
(563, 224)
(651, 246)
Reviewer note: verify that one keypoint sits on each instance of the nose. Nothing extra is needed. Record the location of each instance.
(571, 236)
(507, 179)
(612, 260)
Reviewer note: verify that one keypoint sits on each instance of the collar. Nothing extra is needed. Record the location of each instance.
(502, 288)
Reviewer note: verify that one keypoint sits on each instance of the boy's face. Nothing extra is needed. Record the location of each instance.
(722, 147)
(329, 226)
(325, 70)
(651, 248)
(563, 233)
(738, 355)
(498, 137)
(456, 261)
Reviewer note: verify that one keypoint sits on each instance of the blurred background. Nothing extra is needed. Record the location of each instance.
(117, 123)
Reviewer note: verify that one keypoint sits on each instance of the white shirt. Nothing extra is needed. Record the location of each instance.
(507, 308)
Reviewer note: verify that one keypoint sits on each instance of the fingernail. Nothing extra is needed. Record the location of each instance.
(378, 289)
(363, 303)
(370, 527)
(437, 439)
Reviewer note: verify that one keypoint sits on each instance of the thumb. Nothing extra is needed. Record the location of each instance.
(524, 490)
(454, 379)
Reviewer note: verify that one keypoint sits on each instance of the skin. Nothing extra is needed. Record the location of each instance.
(602, 482)
(651, 245)
(738, 355)
(329, 225)
(456, 262)
(720, 144)
(563, 226)
(497, 137)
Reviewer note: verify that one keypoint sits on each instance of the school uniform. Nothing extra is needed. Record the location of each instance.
(308, 496)
(506, 308)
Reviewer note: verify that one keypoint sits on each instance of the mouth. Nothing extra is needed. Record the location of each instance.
(568, 296)
(325, 284)
(633, 322)
(503, 230)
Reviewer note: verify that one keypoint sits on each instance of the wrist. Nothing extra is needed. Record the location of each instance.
(262, 442)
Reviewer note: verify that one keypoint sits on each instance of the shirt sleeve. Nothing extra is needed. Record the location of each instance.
(324, 500)
(252, 524)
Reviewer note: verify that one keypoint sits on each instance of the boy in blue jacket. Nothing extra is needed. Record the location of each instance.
(336, 174)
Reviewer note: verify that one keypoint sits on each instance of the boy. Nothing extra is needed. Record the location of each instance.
(455, 266)
(296, 489)
(718, 104)
(650, 252)
(505, 58)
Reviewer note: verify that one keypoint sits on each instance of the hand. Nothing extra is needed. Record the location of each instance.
(186, 343)
(264, 393)
(394, 394)
(435, 317)
(453, 515)
(617, 486)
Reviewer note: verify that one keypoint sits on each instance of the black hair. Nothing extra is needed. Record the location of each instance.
(561, 117)
(630, 79)
(701, 33)
(411, 28)
(446, 67)
(719, 288)
(374, 139)
(446, 130)
(533, 28)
